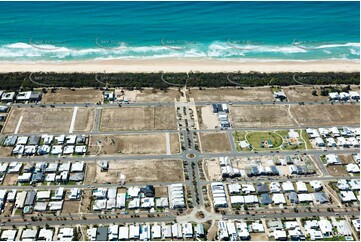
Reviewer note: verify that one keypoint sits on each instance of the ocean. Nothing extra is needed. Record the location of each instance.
(83, 31)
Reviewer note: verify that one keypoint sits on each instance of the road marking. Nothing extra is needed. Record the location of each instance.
(18, 126)
(167, 143)
(73, 120)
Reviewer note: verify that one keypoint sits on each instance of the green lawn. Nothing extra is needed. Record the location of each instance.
(255, 139)
(240, 136)
(305, 137)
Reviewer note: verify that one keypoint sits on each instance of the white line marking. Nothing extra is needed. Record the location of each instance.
(18, 126)
(73, 120)
(167, 143)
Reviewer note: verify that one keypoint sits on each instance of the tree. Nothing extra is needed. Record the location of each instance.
(324, 92)
(314, 93)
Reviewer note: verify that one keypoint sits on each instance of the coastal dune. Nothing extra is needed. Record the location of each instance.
(182, 65)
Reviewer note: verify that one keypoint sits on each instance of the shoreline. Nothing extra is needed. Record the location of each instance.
(183, 65)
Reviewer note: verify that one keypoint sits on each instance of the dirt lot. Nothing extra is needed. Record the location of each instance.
(232, 94)
(212, 169)
(304, 94)
(84, 119)
(138, 118)
(259, 237)
(147, 95)
(85, 205)
(143, 171)
(39, 120)
(77, 96)
(161, 191)
(337, 170)
(90, 173)
(5, 151)
(174, 143)
(346, 159)
(206, 118)
(215, 142)
(326, 115)
(133, 144)
(70, 207)
(260, 116)
(10, 179)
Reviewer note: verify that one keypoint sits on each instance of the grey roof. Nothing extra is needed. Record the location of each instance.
(38, 177)
(254, 170)
(30, 198)
(102, 234)
(35, 95)
(266, 199)
(262, 188)
(321, 197)
(10, 140)
(274, 170)
(200, 229)
(293, 197)
(80, 139)
(76, 176)
(34, 140)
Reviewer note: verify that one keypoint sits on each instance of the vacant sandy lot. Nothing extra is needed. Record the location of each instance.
(69, 96)
(212, 169)
(147, 95)
(215, 142)
(5, 151)
(38, 120)
(336, 170)
(143, 171)
(304, 94)
(260, 116)
(138, 118)
(132, 144)
(84, 119)
(326, 115)
(10, 179)
(206, 118)
(70, 207)
(346, 159)
(232, 94)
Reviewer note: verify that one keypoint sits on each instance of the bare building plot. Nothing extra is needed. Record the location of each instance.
(215, 142)
(260, 116)
(138, 118)
(304, 94)
(39, 120)
(84, 119)
(142, 171)
(232, 94)
(133, 144)
(326, 115)
(206, 118)
(149, 95)
(76, 96)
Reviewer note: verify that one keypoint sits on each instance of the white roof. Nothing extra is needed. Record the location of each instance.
(46, 233)
(325, 226)
(278, 198)
(43, 195)
(56, 149)
(301, 186)
(77, 166)
(29, 233)
(288, 186)
(237, 199)
(55, 205)
(123, 233)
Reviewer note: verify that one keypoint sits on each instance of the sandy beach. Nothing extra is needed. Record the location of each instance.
(181, 65)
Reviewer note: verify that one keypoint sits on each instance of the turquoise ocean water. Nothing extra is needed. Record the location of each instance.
(63, 31)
